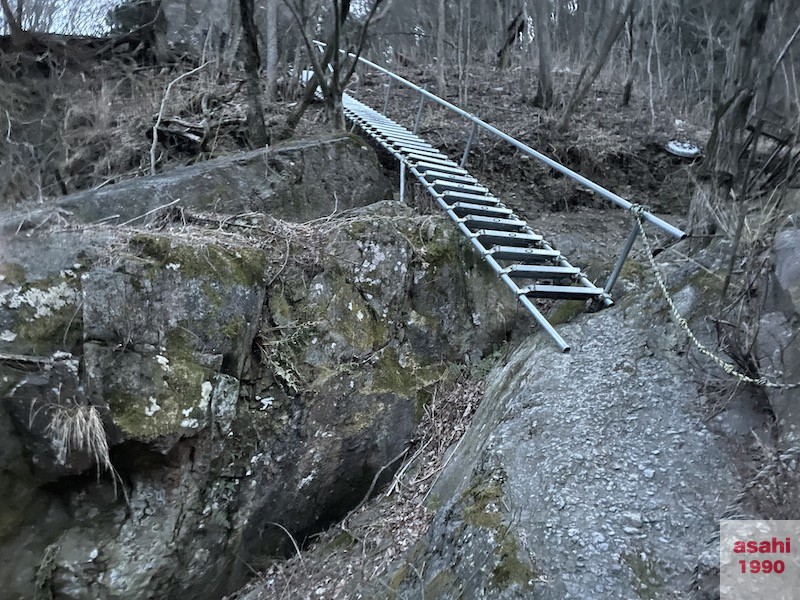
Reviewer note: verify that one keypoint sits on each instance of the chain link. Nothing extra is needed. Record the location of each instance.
(730, 369)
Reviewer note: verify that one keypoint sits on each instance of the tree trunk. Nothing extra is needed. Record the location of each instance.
(441, 84)
(721, 166)
(741, 75)
(638, 48)
(467, 52)
(256, 129)
(160, 44)
(19, 37)
(616, 26)
(335, 113)
(544, 89)
(527, 58)
(460, 50)
(272, 48)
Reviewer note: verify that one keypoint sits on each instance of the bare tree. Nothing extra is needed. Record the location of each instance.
(332, 71)
(544, 89)
(19, 37)
(440, 31)
(721, 166)
(256, 129)
(638, 43)
(272, 48)
(589, 74)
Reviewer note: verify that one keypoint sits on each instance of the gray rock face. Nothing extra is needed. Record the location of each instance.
(778, 342)
(243, 386)
(297, 180)
(586, 475)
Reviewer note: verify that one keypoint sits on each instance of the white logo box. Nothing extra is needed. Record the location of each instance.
(759, 560)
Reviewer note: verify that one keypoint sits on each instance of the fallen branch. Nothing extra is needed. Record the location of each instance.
(161, 113)
(24, 360)
(150, 212)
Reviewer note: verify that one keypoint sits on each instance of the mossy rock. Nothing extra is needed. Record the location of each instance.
(482, 508)
(445, 584)
(179, 406)
(44, 316)
(482, 504)
(243, 266)
(391, 376)
(12, 273)
(648, 582)
(565, 310)
(510, 570)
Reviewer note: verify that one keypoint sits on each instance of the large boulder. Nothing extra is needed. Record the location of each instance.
(592, 474)
(248, 383)
(778, 342)
(297, 180)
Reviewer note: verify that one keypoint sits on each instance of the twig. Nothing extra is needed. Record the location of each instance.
(375, 482)
(283, 266)
(150, 212)
(24, 359)
(291, 537)
(161, 114)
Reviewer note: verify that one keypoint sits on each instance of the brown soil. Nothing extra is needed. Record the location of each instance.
(618, 148)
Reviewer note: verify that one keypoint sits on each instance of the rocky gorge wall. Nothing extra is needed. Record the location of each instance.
(251, 375)
(603, 473)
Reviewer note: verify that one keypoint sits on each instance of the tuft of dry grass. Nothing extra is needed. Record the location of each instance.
(76, 427)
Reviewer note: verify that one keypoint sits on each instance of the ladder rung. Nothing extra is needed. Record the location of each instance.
(424, 167)
(411, 146)
(433, 153)
(450, 177)
(381, 128)
(463, 209)
(459, 187)
(542, 272)
(476, 222)
(565, 292)
(438, 162)
(524, 255)
(475, 198)
(408, 147)
(394, 136)
(490, 237)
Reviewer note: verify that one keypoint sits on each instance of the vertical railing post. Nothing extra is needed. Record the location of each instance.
(402, 181)
(419, 112)
(388, 93)
(468, 147)
(623, 256)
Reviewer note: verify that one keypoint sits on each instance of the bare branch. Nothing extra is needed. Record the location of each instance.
(161, 112)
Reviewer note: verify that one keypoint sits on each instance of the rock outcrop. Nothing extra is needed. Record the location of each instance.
(778, 342)
(250, 376)
(592, 474)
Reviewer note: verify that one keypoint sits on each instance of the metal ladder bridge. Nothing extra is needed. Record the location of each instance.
(524, 261)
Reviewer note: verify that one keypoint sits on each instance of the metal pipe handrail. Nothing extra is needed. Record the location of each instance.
(588, 183)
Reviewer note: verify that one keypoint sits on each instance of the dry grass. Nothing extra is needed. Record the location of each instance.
(73, 131)
(78, 428)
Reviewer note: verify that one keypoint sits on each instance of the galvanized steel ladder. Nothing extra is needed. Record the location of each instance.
(523, 260)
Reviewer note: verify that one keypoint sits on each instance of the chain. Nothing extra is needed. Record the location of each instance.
(730, 369)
